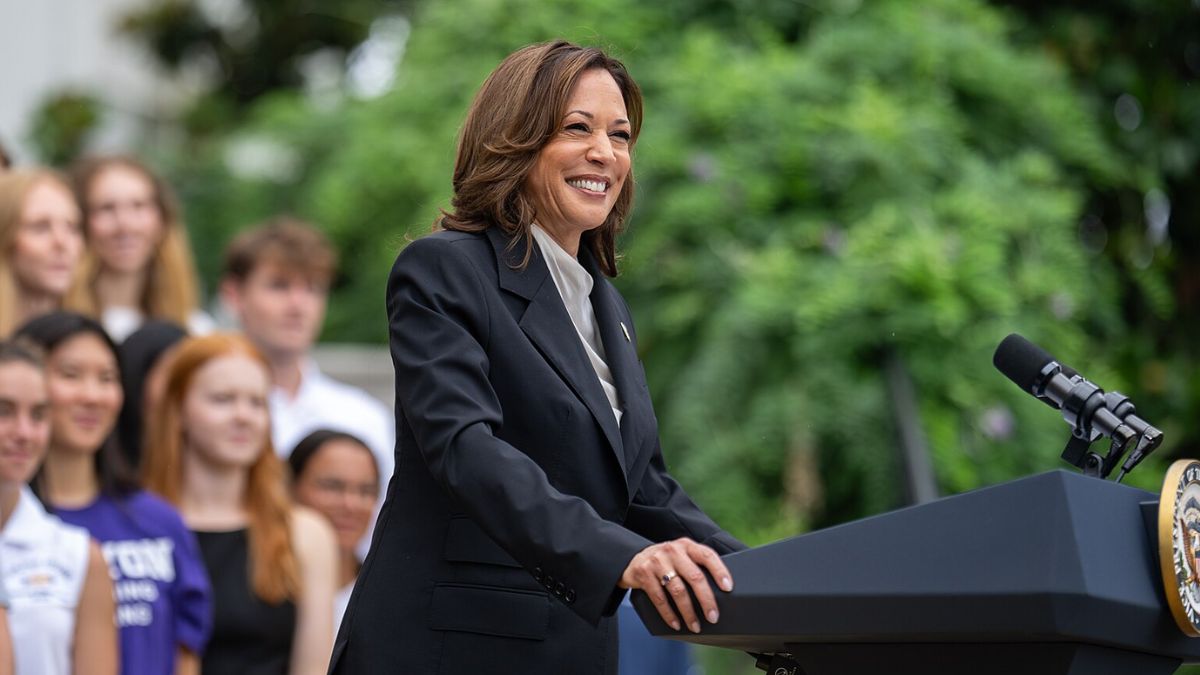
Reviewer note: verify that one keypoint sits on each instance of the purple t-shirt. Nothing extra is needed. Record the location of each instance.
(162, 589)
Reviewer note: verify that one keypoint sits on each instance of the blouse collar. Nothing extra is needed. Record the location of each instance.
(572, 278)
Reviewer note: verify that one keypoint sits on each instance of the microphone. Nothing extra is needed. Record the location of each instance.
(1086, 407)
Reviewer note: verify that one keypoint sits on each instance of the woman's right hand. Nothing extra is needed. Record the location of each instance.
(665, 571)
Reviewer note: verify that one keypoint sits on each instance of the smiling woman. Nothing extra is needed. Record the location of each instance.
(335, 474)
(581, 171)
(530, 491)
(138, 262)
(40, 242)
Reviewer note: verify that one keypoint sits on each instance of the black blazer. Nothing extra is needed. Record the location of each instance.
(517, 501)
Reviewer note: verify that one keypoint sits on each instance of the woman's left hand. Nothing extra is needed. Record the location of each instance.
(665, 571)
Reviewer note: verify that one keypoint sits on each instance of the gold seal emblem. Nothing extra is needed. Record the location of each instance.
(1179, 543)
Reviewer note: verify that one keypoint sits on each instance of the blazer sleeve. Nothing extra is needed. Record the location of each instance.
(439, 333)
(662, 511)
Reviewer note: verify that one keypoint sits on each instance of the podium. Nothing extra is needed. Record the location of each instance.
(1055, 574)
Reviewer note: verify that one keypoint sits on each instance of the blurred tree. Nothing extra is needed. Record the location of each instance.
(876, 184)
(248, 48)
(62, 124)
(1138, 64)
(892, 188)
(828, 192)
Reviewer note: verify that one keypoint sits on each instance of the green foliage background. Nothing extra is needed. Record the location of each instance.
(887, 182)
(827, 192)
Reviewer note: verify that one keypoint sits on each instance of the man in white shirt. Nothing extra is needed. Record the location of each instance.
(276, 282)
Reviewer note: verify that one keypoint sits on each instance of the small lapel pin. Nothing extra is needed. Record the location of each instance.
(625, 331)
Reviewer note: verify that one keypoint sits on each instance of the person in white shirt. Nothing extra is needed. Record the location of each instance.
(276, 282)
(6, 646)
(61, 608)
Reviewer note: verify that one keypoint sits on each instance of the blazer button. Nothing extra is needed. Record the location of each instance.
(570, 596)
(538, 574)
(559, 588)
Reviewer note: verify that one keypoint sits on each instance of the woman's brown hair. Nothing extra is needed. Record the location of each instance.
(171, 291)
(517, 111)
(274, 570)
(15, 187)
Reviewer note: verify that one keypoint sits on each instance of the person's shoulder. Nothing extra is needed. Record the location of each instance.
(66, 538)
(150, 508)
(201, 322)
(311, 530)
(447, 246)
(453, 236)
(442, 261)
(148, 502)
(60, 529)
(307, 519)
(349, 394)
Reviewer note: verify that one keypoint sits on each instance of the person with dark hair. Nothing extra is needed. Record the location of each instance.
(162, 590)
(5, 160)
(145, 355)
(60, 595)
(334, 473)
(530, 490)
(138, 264)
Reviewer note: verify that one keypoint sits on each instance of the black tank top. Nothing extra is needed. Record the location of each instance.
(250, 637)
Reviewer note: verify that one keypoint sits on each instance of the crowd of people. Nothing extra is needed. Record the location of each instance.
(175, 496)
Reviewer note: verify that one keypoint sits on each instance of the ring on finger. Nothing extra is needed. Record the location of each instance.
(666, 578)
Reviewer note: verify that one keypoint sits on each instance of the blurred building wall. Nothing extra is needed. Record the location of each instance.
(49, 46)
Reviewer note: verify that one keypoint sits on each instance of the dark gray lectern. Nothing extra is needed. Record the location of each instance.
(1055, 574)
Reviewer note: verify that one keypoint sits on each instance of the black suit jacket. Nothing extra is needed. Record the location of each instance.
(517, 500)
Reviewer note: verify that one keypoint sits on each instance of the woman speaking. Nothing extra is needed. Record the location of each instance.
(530, 491)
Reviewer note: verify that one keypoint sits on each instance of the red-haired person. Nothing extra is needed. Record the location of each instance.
(40, 244)
(272, 564)
(138, 263)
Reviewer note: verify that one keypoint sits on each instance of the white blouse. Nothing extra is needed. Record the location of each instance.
(121, 322)
(44, 562)
(574, 284)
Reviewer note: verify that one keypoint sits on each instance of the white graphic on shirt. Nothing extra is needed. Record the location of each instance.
(137, 566)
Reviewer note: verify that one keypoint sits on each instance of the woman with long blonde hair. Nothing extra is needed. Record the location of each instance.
(40, 244)
(138, 263)
(272, 564)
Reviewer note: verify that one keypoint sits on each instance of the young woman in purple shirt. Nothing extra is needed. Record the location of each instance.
(161, 587)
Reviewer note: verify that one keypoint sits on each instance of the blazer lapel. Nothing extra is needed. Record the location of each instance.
(549, 327)
(620, 354)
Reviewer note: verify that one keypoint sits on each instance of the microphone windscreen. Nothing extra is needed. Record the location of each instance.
(1021, 361)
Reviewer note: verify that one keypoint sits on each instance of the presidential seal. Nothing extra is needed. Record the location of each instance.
(1179, 543)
